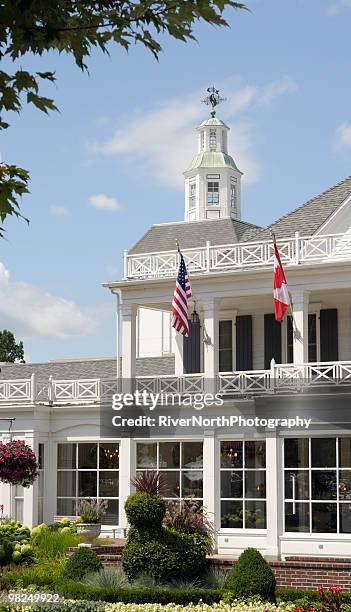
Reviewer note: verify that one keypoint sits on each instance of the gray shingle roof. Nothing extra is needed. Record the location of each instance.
(308, 217)
(192, 234)
(89, 368)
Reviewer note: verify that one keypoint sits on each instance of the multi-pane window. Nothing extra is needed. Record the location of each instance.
(243, 484)
(226, 346)
(202, 141)
(213, 140)
(224, 141)
(180, 463)
(317, 483)
(192, 195)
(41, 460)
(312, 339)
(212, 193)
(233, 200)
(18, 502)
(88, 470)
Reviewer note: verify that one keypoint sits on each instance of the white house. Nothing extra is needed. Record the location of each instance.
(282, 490)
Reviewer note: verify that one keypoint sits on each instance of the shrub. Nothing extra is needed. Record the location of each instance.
(82, 562)
(251, 575)
(172, 555)
(189, 517)
(74, 590)
(15, 543)
(91, 510)
(49, 545)
(107, 578)
(145, 511)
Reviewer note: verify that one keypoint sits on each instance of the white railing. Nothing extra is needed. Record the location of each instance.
(57, 391)
(285, 377)
(188, 383)
(245, 255)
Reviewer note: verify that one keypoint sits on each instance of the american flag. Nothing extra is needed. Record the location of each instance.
(182, 293)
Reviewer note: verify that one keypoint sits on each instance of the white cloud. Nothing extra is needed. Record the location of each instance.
(343, 135)
(338, 7)
(59, 211)
(31, 312)
(104, 202)
(163, 139)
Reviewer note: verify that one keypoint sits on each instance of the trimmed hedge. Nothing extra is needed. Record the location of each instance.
(292, 595)
(82, 562)
(73, 590)
(251, 576)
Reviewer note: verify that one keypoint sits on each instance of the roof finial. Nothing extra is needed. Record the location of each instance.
(213, 99)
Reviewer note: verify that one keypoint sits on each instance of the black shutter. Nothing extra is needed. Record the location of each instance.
(244, 359)
(191, 349)
(329, 334)
(272, 340)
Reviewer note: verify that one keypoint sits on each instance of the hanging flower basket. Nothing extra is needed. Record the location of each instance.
(18, 463)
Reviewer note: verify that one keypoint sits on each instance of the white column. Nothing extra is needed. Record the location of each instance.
(211, 473)
(178, 355)
(129, 312)
(300, 335)
(5, 489)
(50, 500)
(127, 459)
(30, 496)
(273, 504)
(210, 309)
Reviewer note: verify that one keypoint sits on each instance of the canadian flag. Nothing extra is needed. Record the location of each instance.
(280, 288)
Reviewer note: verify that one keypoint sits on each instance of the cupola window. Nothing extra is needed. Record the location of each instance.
(202, 141)
(233, 198)
(192, 195)
(213, 193)
(213, 140)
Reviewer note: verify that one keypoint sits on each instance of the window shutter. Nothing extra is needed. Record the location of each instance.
(329, 334)
(244, 360)
(272, 340)
(191, 349)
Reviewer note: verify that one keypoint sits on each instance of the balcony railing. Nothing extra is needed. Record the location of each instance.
(280, 378)
(240, 256)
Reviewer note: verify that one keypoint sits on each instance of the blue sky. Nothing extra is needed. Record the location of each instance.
(109, 164)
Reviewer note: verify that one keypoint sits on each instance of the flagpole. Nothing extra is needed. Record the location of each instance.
(295, 330)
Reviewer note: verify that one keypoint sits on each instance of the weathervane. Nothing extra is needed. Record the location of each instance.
(213, 99)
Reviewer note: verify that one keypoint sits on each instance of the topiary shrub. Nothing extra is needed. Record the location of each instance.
(145, 511)
(251, 575)
(157, 551)
(82, 562)
(172, 555)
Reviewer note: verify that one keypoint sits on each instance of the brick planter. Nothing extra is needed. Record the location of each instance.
(293, 572)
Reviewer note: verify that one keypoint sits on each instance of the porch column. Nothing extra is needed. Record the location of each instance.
(178, 355)
(211, 494)
(5, 489)
(211, 332)
(30, 494)
(300, 299)
(273, 504)
(127, 452)
(129, 312)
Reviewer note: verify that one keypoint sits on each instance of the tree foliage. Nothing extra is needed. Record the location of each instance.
(76, 27)
(10, 350)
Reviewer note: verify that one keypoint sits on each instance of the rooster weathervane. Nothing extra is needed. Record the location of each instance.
(213, 99)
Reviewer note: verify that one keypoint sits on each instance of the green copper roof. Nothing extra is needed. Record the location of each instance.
(213, 159)
(213, 121)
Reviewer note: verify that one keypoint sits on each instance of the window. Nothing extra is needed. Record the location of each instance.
(192, 195)
(212, 193)
(312, 339)
(213, 140)
(243, 484)
(317, 484)
(41, 459)
(19, 502)
(224, 141)
(202, 141)
(233, 202)
(226, 346)
(181, 464)
(88, 470)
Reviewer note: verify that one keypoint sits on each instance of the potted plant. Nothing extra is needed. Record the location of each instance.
(90, 512)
